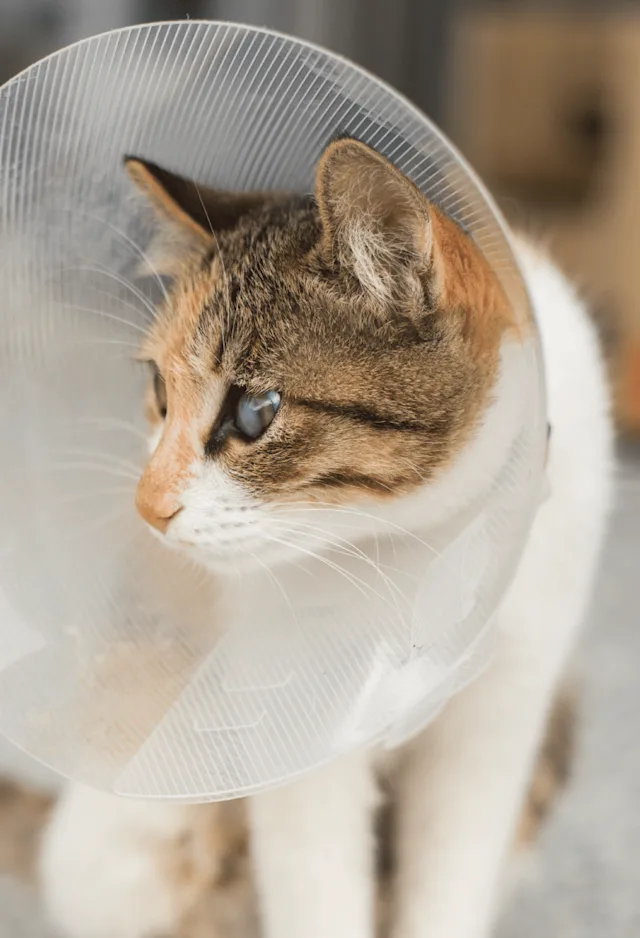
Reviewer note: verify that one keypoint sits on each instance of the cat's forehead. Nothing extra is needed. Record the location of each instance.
(280, 328)
(250, 278)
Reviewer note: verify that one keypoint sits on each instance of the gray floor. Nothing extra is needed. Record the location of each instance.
(20, 916)
(585, 882)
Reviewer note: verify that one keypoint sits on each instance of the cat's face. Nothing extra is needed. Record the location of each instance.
(337, 351)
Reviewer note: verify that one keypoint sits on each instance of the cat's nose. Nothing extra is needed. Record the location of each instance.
(157, 508)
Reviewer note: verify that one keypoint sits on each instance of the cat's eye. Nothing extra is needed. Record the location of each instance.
(160, 391)
(254, 413)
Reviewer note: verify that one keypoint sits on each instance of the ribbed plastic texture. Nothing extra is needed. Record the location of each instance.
(117, 665)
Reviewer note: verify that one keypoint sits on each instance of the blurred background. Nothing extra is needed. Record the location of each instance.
(543, 98)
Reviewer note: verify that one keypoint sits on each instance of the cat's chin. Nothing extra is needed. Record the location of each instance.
(235, 560)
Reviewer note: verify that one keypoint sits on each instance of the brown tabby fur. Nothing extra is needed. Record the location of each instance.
(382, 383)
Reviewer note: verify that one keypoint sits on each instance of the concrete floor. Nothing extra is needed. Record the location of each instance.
(584, 881)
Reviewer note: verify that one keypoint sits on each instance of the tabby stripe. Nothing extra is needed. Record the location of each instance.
(335, 479)
(362, 415)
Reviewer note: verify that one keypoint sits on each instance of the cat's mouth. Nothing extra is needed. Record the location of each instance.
(223, 544)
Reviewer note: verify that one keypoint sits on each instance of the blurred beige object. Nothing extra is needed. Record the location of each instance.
(615, 228)
(516, 80)
(525, 87)
(601, 243)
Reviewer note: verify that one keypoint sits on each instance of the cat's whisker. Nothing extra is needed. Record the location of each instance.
(345, 526)
(354, 550)
(113, 423)
(346, 548)
(404, 532)
(110, 458)
(361, 585)
(141, 254)
(110, 316)
(96, 493)
(294, 507)
(275, 580)
(86, 466)
(118, 342)
(129, 241)
(146, 303)
(394, 590)
(324, 537)
(315, 556)
(312, 526)
(105, 272)
(356, 512)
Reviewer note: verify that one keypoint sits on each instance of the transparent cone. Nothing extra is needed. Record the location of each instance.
(119, 666)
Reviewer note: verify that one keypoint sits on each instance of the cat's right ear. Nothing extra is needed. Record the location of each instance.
(190, 214)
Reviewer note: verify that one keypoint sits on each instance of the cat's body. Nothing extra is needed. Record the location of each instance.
(115, 869)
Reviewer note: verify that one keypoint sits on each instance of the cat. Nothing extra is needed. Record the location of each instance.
(354, 348)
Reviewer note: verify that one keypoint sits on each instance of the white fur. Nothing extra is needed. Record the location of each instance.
(461, 782)
(107, 864)
(372, 258)
(328, 869)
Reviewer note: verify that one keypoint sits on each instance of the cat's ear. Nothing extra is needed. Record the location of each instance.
(375, 220)
(191, 215)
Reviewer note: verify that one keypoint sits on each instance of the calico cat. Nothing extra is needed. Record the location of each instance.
(350, 349)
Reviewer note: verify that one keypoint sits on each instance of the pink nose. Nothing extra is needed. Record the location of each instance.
(157, 508)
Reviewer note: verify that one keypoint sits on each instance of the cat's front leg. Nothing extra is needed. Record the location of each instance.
(314, 854)
(461, 791)
(118, 868)
(465, 779)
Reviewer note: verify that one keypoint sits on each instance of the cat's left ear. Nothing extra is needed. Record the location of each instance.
(190, 214)
(376, 222)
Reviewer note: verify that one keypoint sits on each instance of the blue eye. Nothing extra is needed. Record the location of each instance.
(254, 413)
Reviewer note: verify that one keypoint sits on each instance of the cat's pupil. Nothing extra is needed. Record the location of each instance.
(254, 413)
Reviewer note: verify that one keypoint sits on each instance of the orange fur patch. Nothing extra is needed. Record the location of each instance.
(183, 435)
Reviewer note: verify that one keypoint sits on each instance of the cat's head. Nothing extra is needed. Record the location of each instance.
(340, 349)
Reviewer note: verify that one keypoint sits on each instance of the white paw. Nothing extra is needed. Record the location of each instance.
(115, 868)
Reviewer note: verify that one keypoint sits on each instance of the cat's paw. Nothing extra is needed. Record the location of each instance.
(115, 868)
